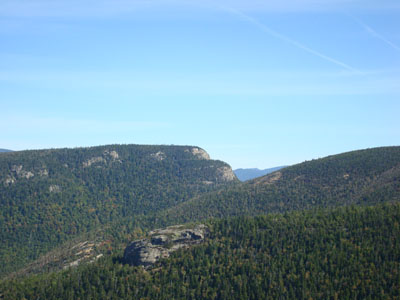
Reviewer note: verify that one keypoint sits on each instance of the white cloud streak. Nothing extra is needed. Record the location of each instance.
(286, 39)
(374, 33)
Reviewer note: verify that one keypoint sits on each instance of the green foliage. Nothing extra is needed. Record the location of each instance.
(90, 193)
(48, 197)
(360, 177)
(347, 253)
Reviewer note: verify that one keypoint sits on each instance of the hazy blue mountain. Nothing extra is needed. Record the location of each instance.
(5, 150)
(247, 174)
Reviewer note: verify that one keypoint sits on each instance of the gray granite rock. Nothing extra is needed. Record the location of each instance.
(162, 242)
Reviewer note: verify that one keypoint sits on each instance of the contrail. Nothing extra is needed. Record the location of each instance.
(374, 33)
(289, 40)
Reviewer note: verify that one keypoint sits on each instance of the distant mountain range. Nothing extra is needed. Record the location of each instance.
(5, 150)
(247, 174)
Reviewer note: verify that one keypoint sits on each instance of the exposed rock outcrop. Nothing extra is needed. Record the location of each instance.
(162, 242)
(43, 172)
(226, 174)
(159, 155)
(93, 160)
(113, 154)
(108, 155)
(54, 188)
(271, 178)
(200, 153)
(17, 172)
(9, 180)
(21, 173)
(81, 252)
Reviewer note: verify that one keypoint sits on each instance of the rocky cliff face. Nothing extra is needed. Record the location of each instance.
(225, 174)
(200, 153)
(162, 242)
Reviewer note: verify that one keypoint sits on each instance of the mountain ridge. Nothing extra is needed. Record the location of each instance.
(5, 150)
(365, 177)
(49, 196)
(335, 180)
(244, 174)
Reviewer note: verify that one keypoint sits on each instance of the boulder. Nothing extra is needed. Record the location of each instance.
(162, 242)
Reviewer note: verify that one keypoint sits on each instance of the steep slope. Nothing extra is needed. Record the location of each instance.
(248, 174)
(347, 253)
(359, 177)
(50, 196)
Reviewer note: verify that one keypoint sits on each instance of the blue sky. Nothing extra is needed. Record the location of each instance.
(255, 83)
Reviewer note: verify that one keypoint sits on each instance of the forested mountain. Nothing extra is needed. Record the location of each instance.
(359, 177)
(347, 253)
(51, 196)
(248, 174)
(278, 236)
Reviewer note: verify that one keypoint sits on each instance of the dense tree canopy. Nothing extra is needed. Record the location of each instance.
(360, 177)
(347, 253)
(50, 196)
(281, 236)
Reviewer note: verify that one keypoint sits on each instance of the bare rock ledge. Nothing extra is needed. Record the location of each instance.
(162, 242)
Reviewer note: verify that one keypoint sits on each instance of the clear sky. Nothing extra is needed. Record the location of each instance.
(254, 83)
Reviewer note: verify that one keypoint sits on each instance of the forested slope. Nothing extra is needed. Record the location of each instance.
(48, 197)
(61, 199)
(359, 177)
(346, 253)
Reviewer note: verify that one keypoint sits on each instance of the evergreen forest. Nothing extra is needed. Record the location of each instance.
(346, 253)
(322, 229)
